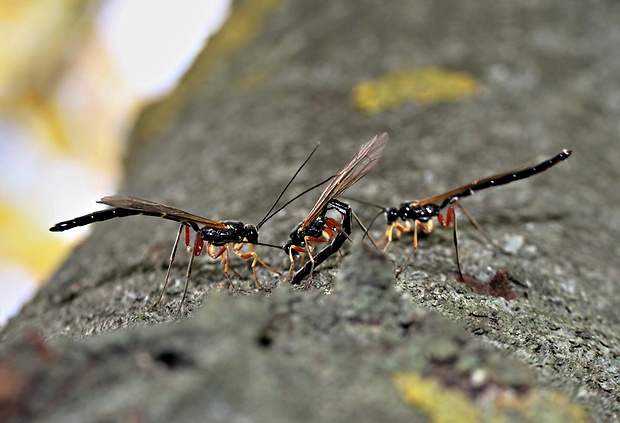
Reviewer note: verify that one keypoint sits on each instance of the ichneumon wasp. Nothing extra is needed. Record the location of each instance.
(317, 227)
(218, 237)
(417, 215)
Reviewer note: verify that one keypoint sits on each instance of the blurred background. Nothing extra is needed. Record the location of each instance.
(74, 75)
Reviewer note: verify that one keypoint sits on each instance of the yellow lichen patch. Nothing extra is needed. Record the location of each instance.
(440, 404)
(425, 86)
(447, 405)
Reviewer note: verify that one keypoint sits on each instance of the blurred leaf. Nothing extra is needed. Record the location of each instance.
(40, 34)
(24, 241)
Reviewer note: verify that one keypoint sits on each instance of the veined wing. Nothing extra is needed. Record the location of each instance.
(155, 209)
(360, 164)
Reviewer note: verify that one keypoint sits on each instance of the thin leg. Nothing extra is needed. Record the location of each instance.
(230, 281)
(252, 254)
(195, 248)
(290, 268)
(415, 248)
(456, 242)
(450, 219)
(311, 258)
(427, 229)
(481, 230)
(292, 259)
(260, 285)
(388, 236)
(257, 259)
(237, 274)
(308, 268)
(172, 254)
(225, 257)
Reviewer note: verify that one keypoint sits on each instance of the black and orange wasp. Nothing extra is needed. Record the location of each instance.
(218, 237)
(417, 215)
(317, 227)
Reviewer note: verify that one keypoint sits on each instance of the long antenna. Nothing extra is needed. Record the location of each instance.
(359, 222)
(372, 222)
(287, 185)
(293, 199)
(366, 203)
(279, 247)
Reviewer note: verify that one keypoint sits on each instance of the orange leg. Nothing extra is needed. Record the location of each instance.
(301, 250)
(427, 228)
(310, 249)
(328, 233)
(449, 218)
(222, 253)
(252, 254)
(198, 242)
(390, 235)
(332, 226)
(188, 237)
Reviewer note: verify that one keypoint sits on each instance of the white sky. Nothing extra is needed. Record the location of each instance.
(154, 41)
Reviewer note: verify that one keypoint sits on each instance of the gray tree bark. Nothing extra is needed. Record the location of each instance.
(276, 79)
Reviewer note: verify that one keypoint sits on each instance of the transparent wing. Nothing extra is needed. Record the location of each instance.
(156, 209)
(360, 164)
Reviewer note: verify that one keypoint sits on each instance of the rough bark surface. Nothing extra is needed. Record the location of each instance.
(276, 79)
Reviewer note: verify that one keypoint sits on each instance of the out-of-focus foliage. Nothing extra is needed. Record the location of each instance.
(59, 105)
(35, 248)
(37, 39)
(68, 94)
